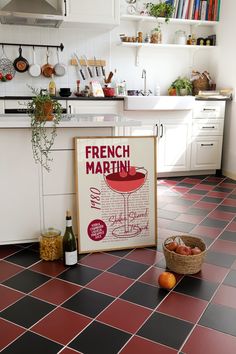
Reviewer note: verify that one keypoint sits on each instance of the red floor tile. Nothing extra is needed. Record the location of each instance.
(229, 202)
(192, 180)
(212, 232)
(7, 250)
(209, 341)
(151, 276)
(180, 190)
(228, 185)
(225, 295)
(143, 256)
(56, 291)
(204, 187)
(8, 297)
(69, 351)
(61, 325)
(217, 194)
(212, 272)
(205, 205)
(7, 270)
(193, 219)
(224, 247)
(222, 215)
(9, 332)
(181, 306)
(163, 223)
(167, 182)
(138, 345)
(175, 207)
(124, 315)
(193, 197)
(99, 260)
(49, 268)
(111, 284)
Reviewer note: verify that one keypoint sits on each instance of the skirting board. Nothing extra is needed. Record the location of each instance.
(229, 174)
(186, 173)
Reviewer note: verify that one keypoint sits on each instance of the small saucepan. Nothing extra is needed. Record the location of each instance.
(21, 64)
(47, 69)
(59, 68)
(34, 69)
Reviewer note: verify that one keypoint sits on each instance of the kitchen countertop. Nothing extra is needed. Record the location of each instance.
(73, 98)
(71, 121)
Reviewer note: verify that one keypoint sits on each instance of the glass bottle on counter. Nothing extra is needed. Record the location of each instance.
(52, 87)
(70, 254)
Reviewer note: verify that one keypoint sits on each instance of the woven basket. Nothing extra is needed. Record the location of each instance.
(182, 264)
(200, 84)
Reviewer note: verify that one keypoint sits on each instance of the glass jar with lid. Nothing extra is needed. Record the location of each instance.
(50, 244)
(180, 37)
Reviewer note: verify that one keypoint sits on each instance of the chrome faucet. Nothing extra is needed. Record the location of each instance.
(145, 92)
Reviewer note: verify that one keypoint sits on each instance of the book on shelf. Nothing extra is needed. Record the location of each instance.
(196, 10)
(190, 11)
(203, 10)
(185, 9)
(180, 8)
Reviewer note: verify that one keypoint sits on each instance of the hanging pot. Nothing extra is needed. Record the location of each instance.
(21, 64)
(34, 69)
(59, 68)
(47, 69)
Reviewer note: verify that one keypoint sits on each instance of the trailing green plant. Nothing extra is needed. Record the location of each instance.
(182, 83)
(162, 9)
(42, 137)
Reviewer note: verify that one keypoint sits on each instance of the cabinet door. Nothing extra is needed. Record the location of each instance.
(93, 12)
(174, 145)
(95, 107)
(144, 130)
(19, 188)
(206, 153)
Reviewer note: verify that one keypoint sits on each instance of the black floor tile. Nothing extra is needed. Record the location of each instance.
(24, 258)
(128, 268)
(220, 259)
(166, 330)
(207, 240)
(195, 287)
(231, 279)
(214, 223)
(144, 294)
(228, 235)
(27, 311)
(181, 226)
(185, 184)
(226, 208)
(211, 183)
(232, 196)
(220, 318)
(211, 200)
(222, 189)
(80, 274)
(31, 343)
(167, 214)
(88, 302)
(100, 339)
(184, 202)
(229, 180)
(26, 281)
(120, 253)
(198, 191)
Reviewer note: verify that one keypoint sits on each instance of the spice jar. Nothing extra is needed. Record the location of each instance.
(180, 37)
(50, 244)
(156, 36)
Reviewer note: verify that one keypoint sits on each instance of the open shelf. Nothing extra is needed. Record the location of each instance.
(172, 46)
(175, 21)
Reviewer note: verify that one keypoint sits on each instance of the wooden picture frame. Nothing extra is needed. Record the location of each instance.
(116, 193)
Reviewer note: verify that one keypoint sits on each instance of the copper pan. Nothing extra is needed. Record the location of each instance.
(47, 69)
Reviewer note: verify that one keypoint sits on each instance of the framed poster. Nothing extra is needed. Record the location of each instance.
(116, 193)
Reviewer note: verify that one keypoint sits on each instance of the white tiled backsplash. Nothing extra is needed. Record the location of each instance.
(91, 43)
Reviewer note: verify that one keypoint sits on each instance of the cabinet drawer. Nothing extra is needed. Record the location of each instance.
(95, 107)
(207, 127)
(206, 153)
(209, 109)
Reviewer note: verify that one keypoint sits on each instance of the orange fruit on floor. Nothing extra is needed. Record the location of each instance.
(167, 280)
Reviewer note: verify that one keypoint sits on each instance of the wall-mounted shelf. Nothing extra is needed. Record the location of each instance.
(138, 47)
(174, 21)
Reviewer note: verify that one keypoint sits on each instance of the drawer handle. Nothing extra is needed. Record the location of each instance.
(161, 135)
(207, 144)
(209, 109)
(157, 130)
(208, 127)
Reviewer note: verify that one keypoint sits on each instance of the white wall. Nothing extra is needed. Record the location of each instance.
(227, 78)
(162, 65)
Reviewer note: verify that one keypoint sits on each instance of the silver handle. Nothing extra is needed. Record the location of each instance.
(208, 127)
(70, 110)
(65, 13)
(207, 144)
(161, 135)
(209, 109)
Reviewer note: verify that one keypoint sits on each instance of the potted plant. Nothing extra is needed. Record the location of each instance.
(42, 108)
(182, 85)
(162, 9)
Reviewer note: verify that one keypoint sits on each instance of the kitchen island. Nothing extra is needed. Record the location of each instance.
(31, 198)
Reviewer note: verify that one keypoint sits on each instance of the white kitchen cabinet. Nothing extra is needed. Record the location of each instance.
(19, 188)
(95, 107)
(207, 135)
(102, 12)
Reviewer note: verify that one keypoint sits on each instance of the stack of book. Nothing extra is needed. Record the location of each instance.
(205, 10)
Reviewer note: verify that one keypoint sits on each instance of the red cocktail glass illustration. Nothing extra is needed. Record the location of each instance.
(126, 183)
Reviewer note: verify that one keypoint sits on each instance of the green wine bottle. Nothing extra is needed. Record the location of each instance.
(70, 254)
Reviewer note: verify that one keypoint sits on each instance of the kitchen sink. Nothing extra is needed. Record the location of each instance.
(149, 103)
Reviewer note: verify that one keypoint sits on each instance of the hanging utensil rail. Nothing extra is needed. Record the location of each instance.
(61, 46)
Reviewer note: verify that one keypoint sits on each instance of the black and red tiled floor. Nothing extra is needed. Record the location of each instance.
(110, 302)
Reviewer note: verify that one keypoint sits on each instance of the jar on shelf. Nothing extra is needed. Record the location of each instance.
(50, 244)
(180, 37)
(156, 35)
